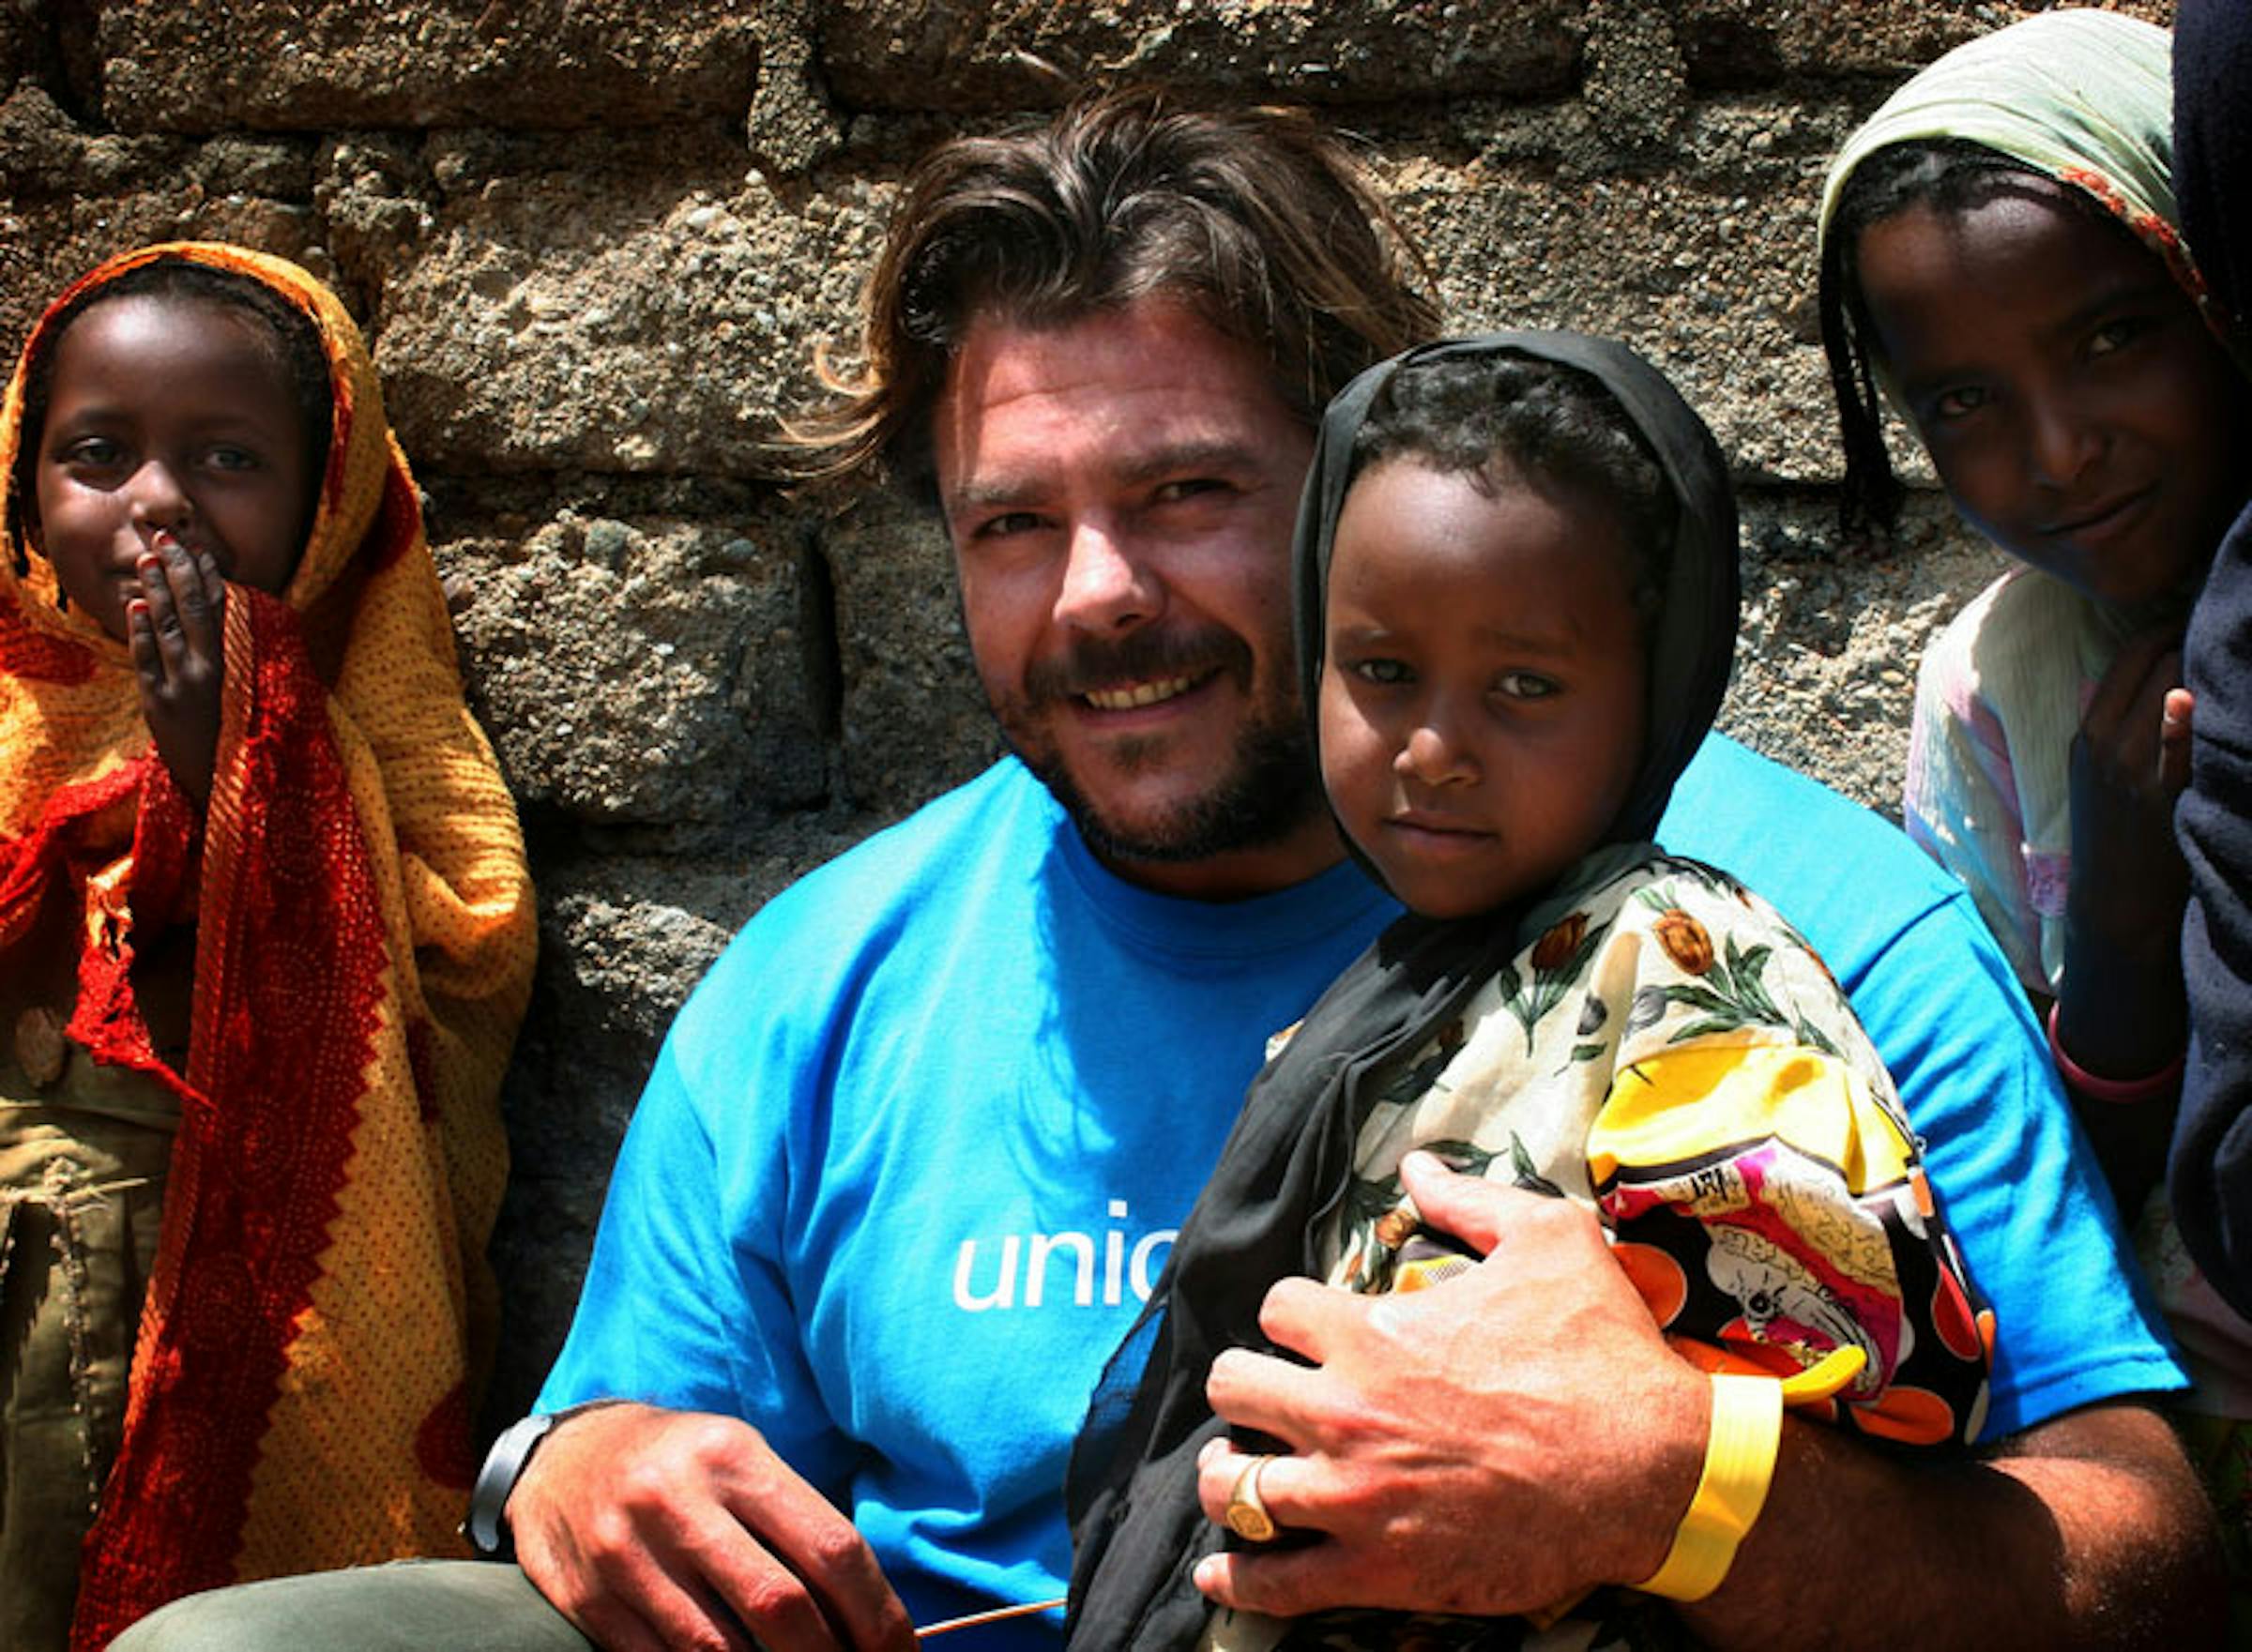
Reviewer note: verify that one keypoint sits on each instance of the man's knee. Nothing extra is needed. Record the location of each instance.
(466, 1606)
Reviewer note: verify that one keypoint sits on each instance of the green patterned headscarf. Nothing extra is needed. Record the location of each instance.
(2083, 97)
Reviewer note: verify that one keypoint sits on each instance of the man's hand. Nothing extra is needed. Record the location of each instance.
(1498, 1442)
(654, 1530)
(1518, 1432)
(174, 631)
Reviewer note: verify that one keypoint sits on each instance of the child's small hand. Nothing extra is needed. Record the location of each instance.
(174, 628)
(2173, 740)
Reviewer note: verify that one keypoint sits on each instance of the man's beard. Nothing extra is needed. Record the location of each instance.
(1268, 790)
(1267, 793)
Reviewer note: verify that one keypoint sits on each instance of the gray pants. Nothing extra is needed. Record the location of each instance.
(441, 1605)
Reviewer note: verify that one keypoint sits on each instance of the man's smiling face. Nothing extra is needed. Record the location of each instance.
(1120, 492)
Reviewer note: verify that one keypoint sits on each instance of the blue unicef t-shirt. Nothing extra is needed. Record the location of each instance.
(912, 1156)
(913, 1152)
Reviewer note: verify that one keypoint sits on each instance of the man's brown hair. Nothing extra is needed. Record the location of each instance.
(1256, 218)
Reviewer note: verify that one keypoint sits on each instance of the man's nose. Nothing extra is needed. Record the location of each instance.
(1107, 584)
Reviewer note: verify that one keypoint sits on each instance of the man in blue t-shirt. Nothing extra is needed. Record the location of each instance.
(912, 1153)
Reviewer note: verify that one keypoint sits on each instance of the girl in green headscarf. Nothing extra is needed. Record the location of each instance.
(2002, 262)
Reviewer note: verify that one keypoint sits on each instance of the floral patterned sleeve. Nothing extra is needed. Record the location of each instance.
(1672, 1053)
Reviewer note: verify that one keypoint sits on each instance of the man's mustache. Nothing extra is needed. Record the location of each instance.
(1097, 662)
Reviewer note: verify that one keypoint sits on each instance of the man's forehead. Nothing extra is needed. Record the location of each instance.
(1128, 394)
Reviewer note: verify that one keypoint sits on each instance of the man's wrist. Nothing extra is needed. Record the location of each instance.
(1745, 1434)
(1668, 1465)
(487, 1525)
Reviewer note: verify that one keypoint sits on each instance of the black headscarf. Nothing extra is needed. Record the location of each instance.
(2213, 142)
(1137, 1526)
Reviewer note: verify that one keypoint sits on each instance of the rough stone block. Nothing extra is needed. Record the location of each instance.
(627, 320)
(939, 55)
(46, 245)
(45, 155)
(1826, 653)
(1758, 42)
(19, 42)
(642, 673)
(1708, 271)
(207, 66)
(915, 720)
(70, 199)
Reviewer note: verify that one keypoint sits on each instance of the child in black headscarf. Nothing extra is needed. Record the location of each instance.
(1517, 605)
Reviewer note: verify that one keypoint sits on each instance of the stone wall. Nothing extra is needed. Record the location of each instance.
(595, 241)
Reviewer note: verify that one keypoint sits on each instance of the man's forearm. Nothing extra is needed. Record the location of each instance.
(2086, 1531)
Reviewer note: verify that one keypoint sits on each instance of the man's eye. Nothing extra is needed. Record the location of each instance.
(1187, 487)
(1387, 672)
(1525, 685)
(1007, 525)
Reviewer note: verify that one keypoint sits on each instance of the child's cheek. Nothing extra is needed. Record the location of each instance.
(1356, 762)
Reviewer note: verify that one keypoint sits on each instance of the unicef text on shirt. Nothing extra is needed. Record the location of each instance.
(1034, 1269)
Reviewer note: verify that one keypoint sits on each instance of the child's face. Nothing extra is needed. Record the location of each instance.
(176, 415)
(2073, 402)
(1481, 698)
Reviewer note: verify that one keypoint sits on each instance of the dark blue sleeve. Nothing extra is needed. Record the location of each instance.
(2210, 1170)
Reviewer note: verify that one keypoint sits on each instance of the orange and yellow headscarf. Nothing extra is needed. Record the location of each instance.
(321, 1313)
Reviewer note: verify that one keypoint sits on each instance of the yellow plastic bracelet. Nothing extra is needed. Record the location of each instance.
(1825, 1377)
(1739, 1460)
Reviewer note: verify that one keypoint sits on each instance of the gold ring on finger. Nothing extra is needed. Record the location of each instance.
(1247, 1515)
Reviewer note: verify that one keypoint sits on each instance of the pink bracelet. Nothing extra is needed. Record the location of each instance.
(2128, 1091)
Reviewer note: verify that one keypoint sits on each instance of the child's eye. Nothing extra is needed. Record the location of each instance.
(93, 452)
(1524, 685)
(233, 459)
(1959, 403)
(1386, 672)
(2115, 335)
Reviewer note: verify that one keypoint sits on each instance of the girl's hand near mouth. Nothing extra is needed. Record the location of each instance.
(175, 630)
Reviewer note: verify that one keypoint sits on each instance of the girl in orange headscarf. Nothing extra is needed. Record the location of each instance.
(265, 935)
